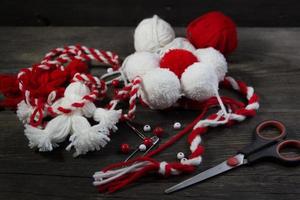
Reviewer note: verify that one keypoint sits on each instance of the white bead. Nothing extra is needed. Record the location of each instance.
(180, 155)
(147, 128)
(183, 160)
(110, 70)
(177, 125)
(142, 147)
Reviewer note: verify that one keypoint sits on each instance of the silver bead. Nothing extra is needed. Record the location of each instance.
(177, 125)
(180, 155)
(142, 147)
(147, 128)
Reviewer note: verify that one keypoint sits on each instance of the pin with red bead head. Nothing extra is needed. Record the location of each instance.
(125, 148)
(147, 144)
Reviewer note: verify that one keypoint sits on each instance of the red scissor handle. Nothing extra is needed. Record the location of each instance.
(288, 145)
(271, 123)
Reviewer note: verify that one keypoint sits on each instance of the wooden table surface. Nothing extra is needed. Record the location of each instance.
(267, 58)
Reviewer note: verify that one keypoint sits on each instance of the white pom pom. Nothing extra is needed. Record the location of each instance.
(55, 131)
(139, 63)
(177, 43)
(199, 81)
(215, 59)
(160, 88)
(152, 33)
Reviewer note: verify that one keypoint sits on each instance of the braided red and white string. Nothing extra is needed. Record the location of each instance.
(119, 175)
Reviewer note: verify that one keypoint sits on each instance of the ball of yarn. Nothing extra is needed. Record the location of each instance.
(138, 63)
(177, 43)
(160, 88)
(199, 82)
(213, 29)
(152, 33)
(215, 59)
(177, 60)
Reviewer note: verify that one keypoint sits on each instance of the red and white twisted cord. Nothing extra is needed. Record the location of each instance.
(130, 90)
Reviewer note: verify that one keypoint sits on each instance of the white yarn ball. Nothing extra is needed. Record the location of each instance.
(160, 88)
(215, 58)
(152, 33)
(177, 43)
(138, 63)
(199, 81)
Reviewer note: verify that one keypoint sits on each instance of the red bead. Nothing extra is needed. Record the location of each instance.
(125, 148)
(148, 142)
(158, 131)
(115, 83)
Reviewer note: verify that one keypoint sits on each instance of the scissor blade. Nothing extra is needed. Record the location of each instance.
(222, 167)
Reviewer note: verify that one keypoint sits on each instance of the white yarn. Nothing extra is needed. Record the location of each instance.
(139, 63)
(160, 88)
(75, 91)
(107, 118)
(177, 43)
(24, 112)
(55, 131)
(85, 137)
(199, 81)
(152, 33)
(88, 109)
(215, 59)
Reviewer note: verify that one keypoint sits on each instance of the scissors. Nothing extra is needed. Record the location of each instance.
(261, 148)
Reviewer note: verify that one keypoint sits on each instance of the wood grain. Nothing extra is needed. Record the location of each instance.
(128, 13)
(267, 58)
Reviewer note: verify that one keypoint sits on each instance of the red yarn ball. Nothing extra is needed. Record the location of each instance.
(213, 29)
(177, 60)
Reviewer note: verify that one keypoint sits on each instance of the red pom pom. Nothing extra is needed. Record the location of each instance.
(177, 60)
(213, 29)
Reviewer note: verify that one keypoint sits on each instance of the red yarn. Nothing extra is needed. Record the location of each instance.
(9, 89)
(177, 60)
(213, 29)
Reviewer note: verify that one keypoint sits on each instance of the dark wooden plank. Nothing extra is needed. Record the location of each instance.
(128, 13)
(267, 58)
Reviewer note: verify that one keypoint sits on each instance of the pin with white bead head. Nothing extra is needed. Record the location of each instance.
(146, 146)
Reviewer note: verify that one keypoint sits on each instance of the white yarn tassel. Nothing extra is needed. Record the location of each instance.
(55, 131)
(88, 109)
(86, 137)
(24, 111)
(107, 118)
